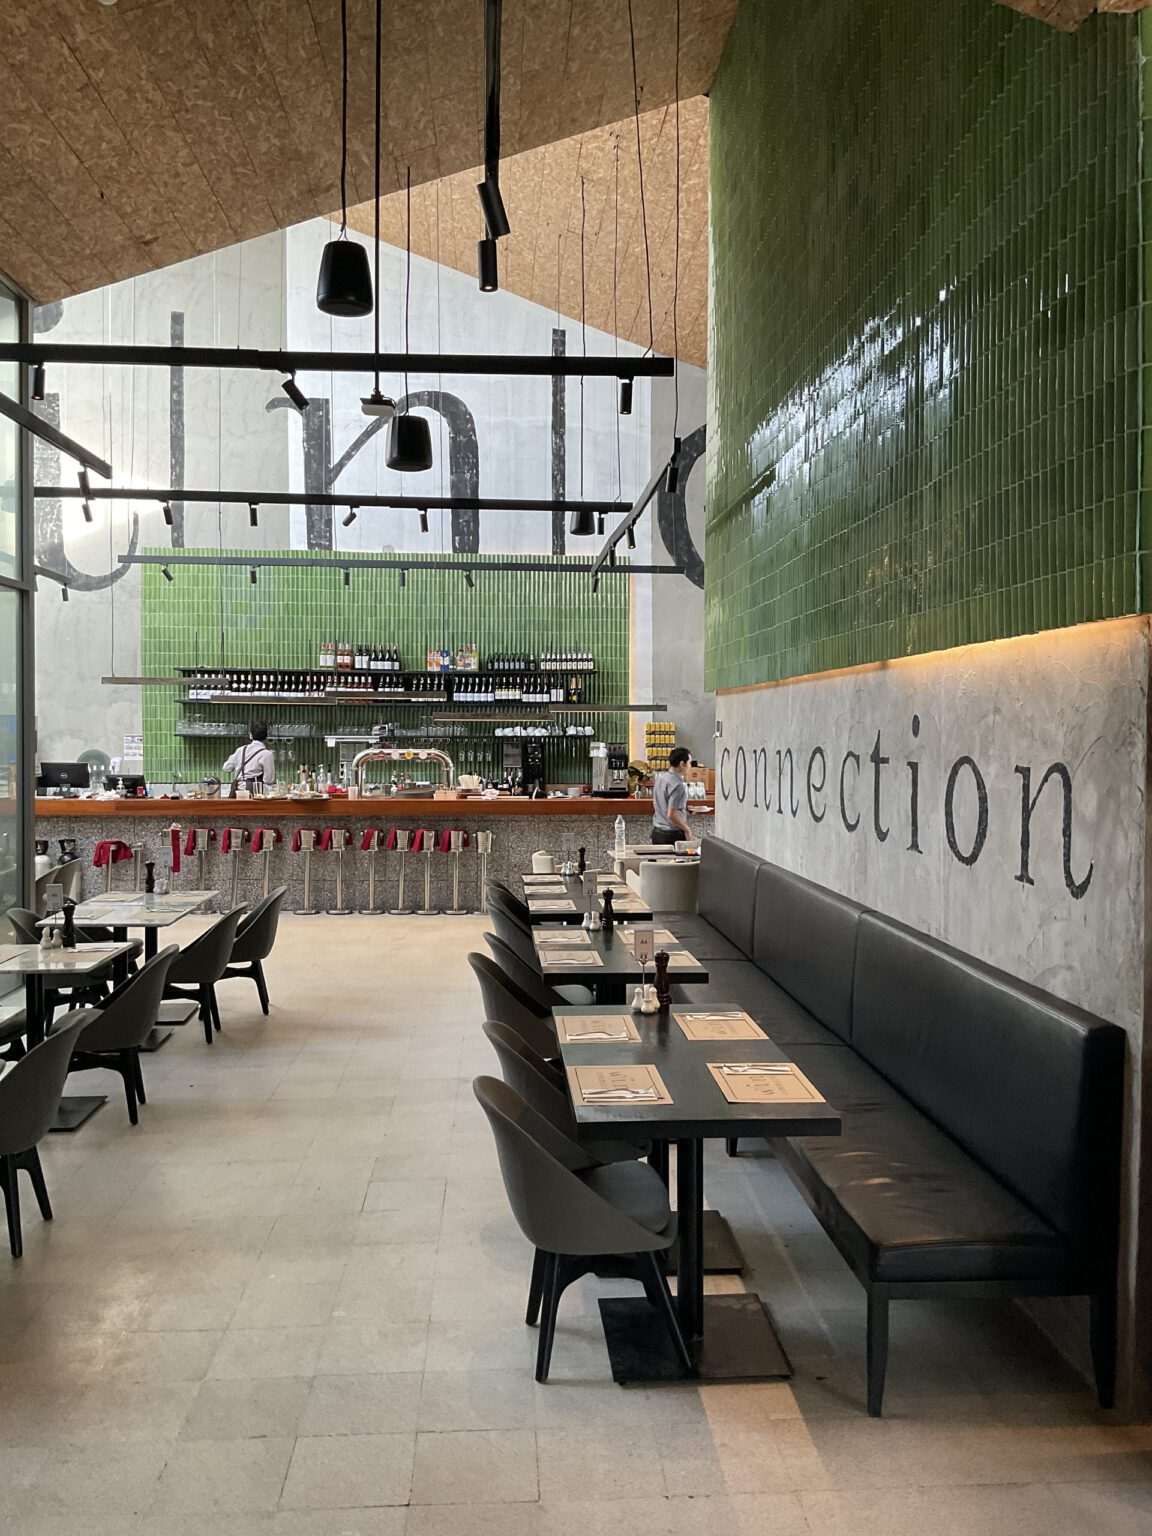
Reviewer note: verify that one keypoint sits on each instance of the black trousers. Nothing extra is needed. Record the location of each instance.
(666, 835)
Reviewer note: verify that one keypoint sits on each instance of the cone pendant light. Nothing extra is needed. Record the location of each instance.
(344, 286)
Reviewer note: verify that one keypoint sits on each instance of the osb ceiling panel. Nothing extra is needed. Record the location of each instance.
(1068, 14)
(146, 132)
(540, 259)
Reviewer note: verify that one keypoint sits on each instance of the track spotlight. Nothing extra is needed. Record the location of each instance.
(612, 555)
(599, 523)
(350, 516)
(469, 580)
(166, 573)
(423, 519)
(492, 206)
(673, 479)
(403, 577)
(626, 397)
(87, 508)
(582, 525)
(487, 265)
(297, 396)
(85, 484)
(631, 537)
(347, 577)
(167, 510)
(63, 594)
(409, 444)
(595, 585)
(252, 574)
(253, 515)
(36, 391)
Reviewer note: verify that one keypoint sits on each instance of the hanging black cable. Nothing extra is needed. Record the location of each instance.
(582, 524)
(672, 483)
(344, 286)
(640, 169)
(409, 437)
(377, 404)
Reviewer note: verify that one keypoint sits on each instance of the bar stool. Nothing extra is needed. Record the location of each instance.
(400, 838)
(370, 844)
(232, 841)
(337, 839)
(197, 842)
(453, 843)
(107, 853)
(483, 848)
(264, 840)
(304, 842)
(425, 843)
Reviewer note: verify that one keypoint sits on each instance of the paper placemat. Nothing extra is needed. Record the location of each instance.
(680, 959)
(551, 904)
(663, 938)
(763, 1082)
(559, 959)
(571, 938)
(733, 1024)
(603, 1029)
(10, 951)
(594, 1086)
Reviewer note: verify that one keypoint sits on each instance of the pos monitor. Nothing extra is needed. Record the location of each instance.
(64, 775)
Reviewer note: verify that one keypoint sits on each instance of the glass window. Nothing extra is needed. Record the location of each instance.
(9, 446)
(11, 887)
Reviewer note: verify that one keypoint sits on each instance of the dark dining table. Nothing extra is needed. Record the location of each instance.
(560, 898)
(44, 968)
(732, 1337)
(605, 962)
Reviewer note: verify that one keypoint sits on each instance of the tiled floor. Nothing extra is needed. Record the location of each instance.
(291, 1304)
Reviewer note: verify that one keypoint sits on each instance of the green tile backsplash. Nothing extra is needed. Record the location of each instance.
(926, 332)
(211, 616)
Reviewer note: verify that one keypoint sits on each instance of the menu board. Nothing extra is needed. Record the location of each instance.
(597, 1028)
(559, 959)
(593, 1086)
(732, 1024)
(763, 1082)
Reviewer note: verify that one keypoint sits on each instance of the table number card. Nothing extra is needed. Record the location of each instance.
(643, 946)
(593, 1086)
(597, 1029)
(730, 1025)
(763, 1082)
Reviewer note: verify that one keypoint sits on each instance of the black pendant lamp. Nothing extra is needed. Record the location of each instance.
(344, 286)
(409, 437)
(583, 523)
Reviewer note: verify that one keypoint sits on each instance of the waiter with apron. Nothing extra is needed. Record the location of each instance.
(670, 799)
(253, 761)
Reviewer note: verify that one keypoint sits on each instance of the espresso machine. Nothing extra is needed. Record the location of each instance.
(533, 767)
(610, 769)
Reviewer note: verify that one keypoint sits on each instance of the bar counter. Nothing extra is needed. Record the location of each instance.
(519, 828)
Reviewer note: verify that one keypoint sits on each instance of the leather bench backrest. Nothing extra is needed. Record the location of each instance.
(805, 939)
(727, 895)
(1030, 1086)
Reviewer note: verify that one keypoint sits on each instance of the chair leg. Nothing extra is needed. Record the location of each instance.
(126, 1072)
(658, 1161)
(215, 1009)
(877, 1348)
(206, 1014)
(139, 1075)
(551, 1303)
(261, 984)
(732, 1146)
(1103, 1334)
(12, 1206)
(39, 1188)
(656, 1285)
(535, 1288)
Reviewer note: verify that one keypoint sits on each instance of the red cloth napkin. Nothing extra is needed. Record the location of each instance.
(110, 851)
(174, 834)
(390, 840)
(257, 843)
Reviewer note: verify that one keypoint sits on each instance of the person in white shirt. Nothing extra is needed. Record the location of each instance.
(255, 760)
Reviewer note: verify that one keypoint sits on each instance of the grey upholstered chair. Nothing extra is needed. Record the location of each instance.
(530, 981)
(516, 935)
(254, 940)
(499, 894)
(504, 1000)
(121, 1023)
(574, 1210)
(201, 964)
(29, 1098)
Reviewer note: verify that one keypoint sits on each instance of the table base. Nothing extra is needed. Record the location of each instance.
(740, 1342)
(155, 1038)
(74, 1111)
(722, 1254)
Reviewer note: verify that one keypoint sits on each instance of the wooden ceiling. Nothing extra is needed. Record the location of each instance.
(540, 259)
(146, 132)
(1069, 14)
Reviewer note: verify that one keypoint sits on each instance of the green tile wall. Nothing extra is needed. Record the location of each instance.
(213, 616)
(925, 354)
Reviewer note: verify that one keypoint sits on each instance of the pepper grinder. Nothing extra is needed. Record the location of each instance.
(581, 860)
(68, 932)
(150, 877)
(663, 987)
(607, 916)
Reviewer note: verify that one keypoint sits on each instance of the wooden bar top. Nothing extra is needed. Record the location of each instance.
(401, 807)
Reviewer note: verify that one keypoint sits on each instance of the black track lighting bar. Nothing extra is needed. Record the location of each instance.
(253, 359)
(47, 432)
(421, 504)
(399, 563)
(636, 512)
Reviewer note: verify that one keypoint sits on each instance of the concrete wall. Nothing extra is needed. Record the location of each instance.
(238, 431)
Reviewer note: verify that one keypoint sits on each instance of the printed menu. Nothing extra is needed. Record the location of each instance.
(763, 1082)
(729, 1024)
(617, 1085)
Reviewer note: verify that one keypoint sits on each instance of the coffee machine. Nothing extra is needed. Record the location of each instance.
(610, 769)
(533, 767)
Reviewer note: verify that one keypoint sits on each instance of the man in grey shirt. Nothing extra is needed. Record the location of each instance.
(670, 799)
